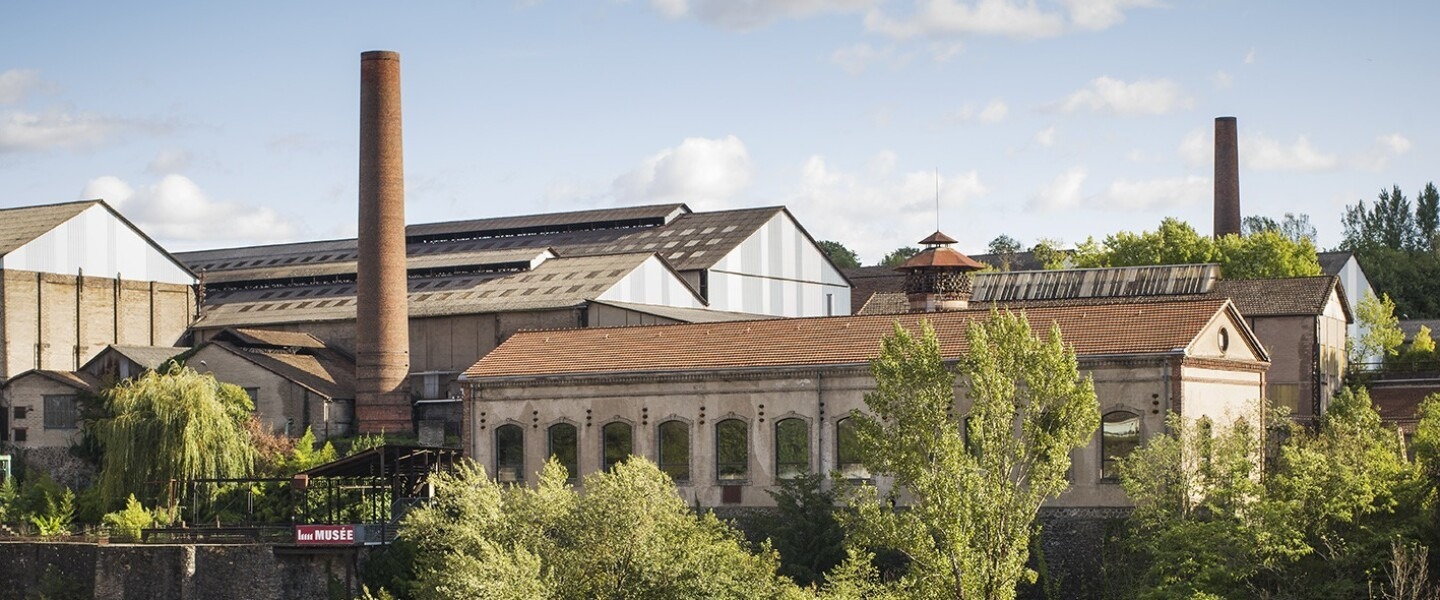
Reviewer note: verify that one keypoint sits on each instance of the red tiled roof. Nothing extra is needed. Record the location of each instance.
(940, 257)
(1115, 329)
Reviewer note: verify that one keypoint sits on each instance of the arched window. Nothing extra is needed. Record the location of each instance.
(675, 450)
(509, 453)
(732, 450)
(1119, 436)
(847, 450)
(565, 448)
(792, 448)
(619, 442)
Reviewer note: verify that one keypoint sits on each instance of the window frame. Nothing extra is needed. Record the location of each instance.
(1107, 462)
(55, 414)
(854, 471)
(572, 470)
(792, 469)
(605, 463)
(518, 464)
(730, 472)
(666, 463)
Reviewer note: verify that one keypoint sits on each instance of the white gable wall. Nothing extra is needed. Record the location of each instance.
(653, 283)
(778, 271)
(101, 245)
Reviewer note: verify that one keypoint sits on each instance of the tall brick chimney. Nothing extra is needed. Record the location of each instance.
(382, 336)
(1227, 177)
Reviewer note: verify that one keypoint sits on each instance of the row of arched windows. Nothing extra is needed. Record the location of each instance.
(1119, 436)
(673, 451)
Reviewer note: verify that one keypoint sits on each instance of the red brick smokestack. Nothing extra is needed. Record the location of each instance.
(382, 336)
(1227, 177)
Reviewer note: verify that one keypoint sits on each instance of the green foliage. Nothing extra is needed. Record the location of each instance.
(9, 495)
(1423, 342)
(127, 523)
(1265, 254)
(1387, 224)
(970, 516)
(304, 455)
(843, 257)
(176, 425)
(1004, 248)
(1399, 250)
(898, 256)
(366, 441)
(1319, 524)
(57, 516)
(628, 536)
(803, 529)
(1380, 333)
(1049, 254)
(1294, 227)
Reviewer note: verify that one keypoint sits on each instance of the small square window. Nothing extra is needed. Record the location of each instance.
(20, 434)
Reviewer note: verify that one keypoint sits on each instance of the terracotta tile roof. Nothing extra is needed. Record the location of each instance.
(886, 303)
(941, 257)
(18, 226)
(868, 281)
(1278, 297)
(1091, 330)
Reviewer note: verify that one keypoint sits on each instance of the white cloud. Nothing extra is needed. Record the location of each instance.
(178, 213)
(1021, 19)
(944, 51)
(700, 171)
(993, 112)
(1264, 154)
(1223, 80)
(859, 57)
(22, 131)
(1046, 137)
(841, 205)
(1123, 194)
(1259, 153)
(1250, 57)
(749, 14)
(169, 161)
(1379, 154)
(1061, 193)
(1142, 97)
(17, 84)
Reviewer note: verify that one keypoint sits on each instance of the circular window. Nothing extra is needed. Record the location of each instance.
(1224, 339)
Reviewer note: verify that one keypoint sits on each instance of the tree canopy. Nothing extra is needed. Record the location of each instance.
(174, 425)
(1264, 254)
(898, 256)
(843, 257)
(1398, 247)
(973, 496)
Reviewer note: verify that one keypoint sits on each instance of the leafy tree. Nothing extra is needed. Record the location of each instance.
(1423, 342)
(1427, 216)
(1294, 227)
(1266, 255)
(127, 523)
(898, 256)
(1005, 248)
(972, 500)
(1388, 224)
(843, 257)
(803, 529)
(1049, 254)
(1398, 249)
(1380, 334)
(177, 425)
(628, 536)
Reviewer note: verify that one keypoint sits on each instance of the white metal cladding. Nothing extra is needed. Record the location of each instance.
(101, 245)
(778, 270)
(653, 283)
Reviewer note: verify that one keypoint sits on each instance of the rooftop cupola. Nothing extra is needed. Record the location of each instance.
(938, 277)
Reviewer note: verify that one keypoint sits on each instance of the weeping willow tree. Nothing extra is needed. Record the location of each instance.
(177, 425)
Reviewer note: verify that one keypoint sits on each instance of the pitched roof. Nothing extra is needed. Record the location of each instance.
(1332, 262)
(885, 303)
(149, 357)
(686, 315)
(81, 380)
(325, 371)
(868, 281)
(941, 257)
(688, 240)
(1282, 297)
(1091, 330)
(18, 226)
(557, 283)
(1410, 327)
(271, 338)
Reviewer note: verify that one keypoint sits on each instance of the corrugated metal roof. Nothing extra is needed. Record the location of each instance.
(686, 315)
(556, 283)
(321, 370)
(18, 226)
(150, 357)
(1090, 330)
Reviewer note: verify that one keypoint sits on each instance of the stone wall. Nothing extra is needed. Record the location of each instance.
(136, 572)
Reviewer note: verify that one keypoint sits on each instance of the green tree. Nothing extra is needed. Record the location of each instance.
(898, 256)
(1048, 252)
(972, 498)
(628, 536)
(1266, 255)
(177, 425)
(1295, 227)
(1005, 248)
(843, 257)
(1380, 334)
(1427, 216)
(803, 529)
(1387, 224)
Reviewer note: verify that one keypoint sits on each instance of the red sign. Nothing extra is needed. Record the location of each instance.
(325, 535)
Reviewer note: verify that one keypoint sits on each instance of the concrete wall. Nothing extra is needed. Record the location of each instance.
(58, 322)
(29, 392)
(136, 572)
(654, 283)
(282, 405)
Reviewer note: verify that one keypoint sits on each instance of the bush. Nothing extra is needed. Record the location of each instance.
(126, 524)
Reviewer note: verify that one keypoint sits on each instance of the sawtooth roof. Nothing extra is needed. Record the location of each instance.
(556, 283)
(855, 339)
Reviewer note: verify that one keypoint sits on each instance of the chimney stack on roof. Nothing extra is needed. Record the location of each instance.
(382, 336)
(1227, 177)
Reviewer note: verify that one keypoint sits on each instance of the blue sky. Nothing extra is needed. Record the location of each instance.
(221, 124)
